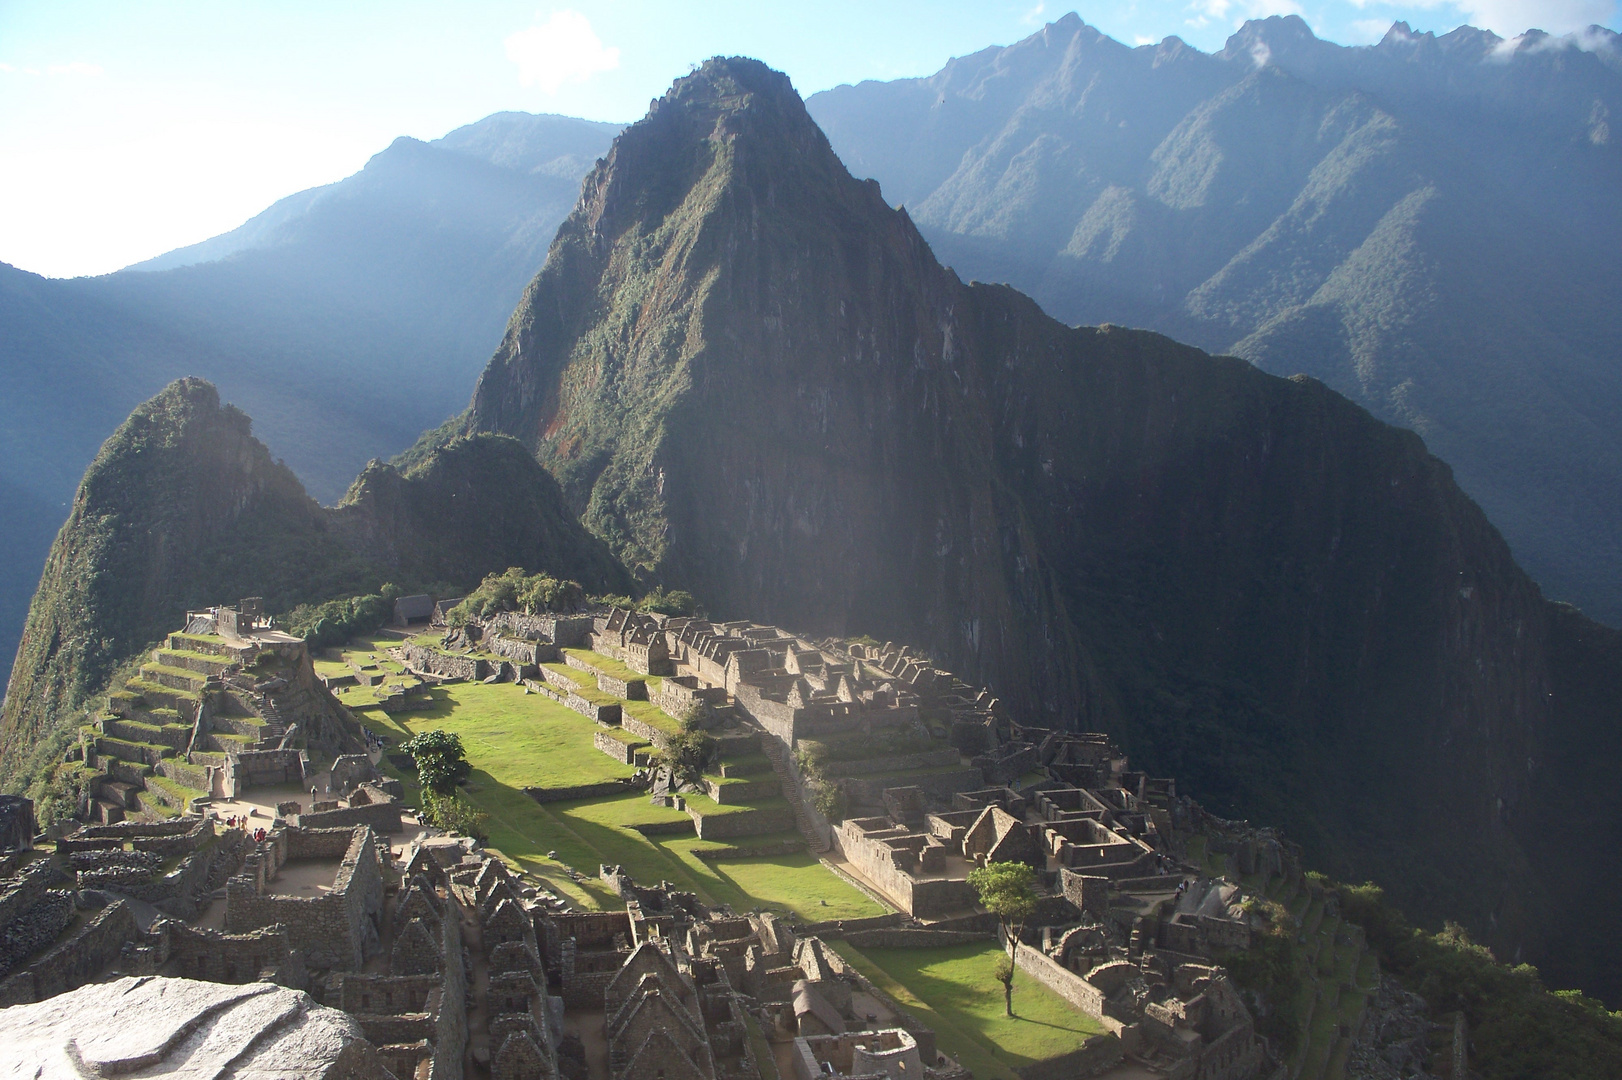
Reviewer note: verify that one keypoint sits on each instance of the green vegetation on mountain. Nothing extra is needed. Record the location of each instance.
(1428, 225)
(184, 509)
(752, 379)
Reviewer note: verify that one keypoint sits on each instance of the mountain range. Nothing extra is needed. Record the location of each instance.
(1430, 225)
(346, 319)
(747, 373)
(754, 380)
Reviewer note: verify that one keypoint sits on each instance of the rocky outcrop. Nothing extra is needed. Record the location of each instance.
(1249, 580)
(183, 1027)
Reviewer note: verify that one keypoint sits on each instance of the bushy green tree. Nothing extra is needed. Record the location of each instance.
(675, 602)
(453, 814)
(514, 589)
(688, 755)
(441, 761)
(1007, 889)
(336, 621)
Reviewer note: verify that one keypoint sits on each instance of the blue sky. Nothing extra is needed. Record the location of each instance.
(129, 128)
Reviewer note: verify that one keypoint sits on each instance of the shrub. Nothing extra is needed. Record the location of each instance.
(831, 801)
(441, 761)
(515, 590)
(688, 755)
(336, 621)
(659, 602)
(454, 814)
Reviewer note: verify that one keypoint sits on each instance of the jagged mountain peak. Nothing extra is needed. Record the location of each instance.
(754, 381)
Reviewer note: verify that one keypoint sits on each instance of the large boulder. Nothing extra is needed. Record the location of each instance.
(161, 1027)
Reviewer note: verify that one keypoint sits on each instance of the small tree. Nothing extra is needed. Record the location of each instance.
(453, 814)
(1007, 891)
(440, 759)
(688, 755)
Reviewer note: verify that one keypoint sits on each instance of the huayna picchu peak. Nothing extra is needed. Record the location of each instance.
(798, 661)
(751, 377)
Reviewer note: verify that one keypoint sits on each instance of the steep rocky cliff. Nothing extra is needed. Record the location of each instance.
(184, 508)
(753, 379)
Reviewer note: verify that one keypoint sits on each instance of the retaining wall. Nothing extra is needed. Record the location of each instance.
(643, 730)
(742, 822)
(76, 961)
(581, 791)
(623, 752)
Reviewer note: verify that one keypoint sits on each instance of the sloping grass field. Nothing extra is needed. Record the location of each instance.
(516, 740)
(953, 990)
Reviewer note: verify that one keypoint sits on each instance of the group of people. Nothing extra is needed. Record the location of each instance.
(240, 821)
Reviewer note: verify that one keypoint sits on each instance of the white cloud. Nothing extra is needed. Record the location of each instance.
(1034, 16)
(1208, 11)
(1510, 18)
(1143, 39)
(562, 49)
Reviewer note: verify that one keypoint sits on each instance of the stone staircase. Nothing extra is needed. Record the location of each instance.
(143, 747)
(791, 791)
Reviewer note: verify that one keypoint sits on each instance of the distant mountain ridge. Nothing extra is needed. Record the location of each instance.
(1429, 225)
(346, 319)
(754, 380)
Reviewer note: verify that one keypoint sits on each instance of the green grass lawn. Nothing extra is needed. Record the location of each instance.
(609, 666)
(523, 740)
(516, 740)
(952, 990)
(797, 883)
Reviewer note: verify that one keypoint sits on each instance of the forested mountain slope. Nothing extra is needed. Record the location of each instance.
(752, 378)
(1429, 225)
(183, 508)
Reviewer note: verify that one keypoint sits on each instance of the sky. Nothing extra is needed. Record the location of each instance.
(132, 127)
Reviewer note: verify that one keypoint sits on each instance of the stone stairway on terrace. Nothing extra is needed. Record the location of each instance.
(153, 746)
(791, 791)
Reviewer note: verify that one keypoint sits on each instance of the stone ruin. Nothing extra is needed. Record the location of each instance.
(444, 958)
(226, 705)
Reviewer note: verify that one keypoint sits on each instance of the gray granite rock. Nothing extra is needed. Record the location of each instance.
(155, 1027)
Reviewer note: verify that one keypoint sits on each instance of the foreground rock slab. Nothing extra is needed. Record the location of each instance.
(153, 1026)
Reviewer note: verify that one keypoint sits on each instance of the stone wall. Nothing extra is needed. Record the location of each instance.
(267, 768)
(835, 927)
(643, 730)
(742, 823)
(564, 690)
(445, 665)
(124, 830)
(731, 794)
(629, 689)
(581, 791)
(1070, 986)
(941, 785)
(76, 961)
(335, 930)
(522, 651)
(928, 759)
(201, 953)
(623, 752)
(381, 818)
